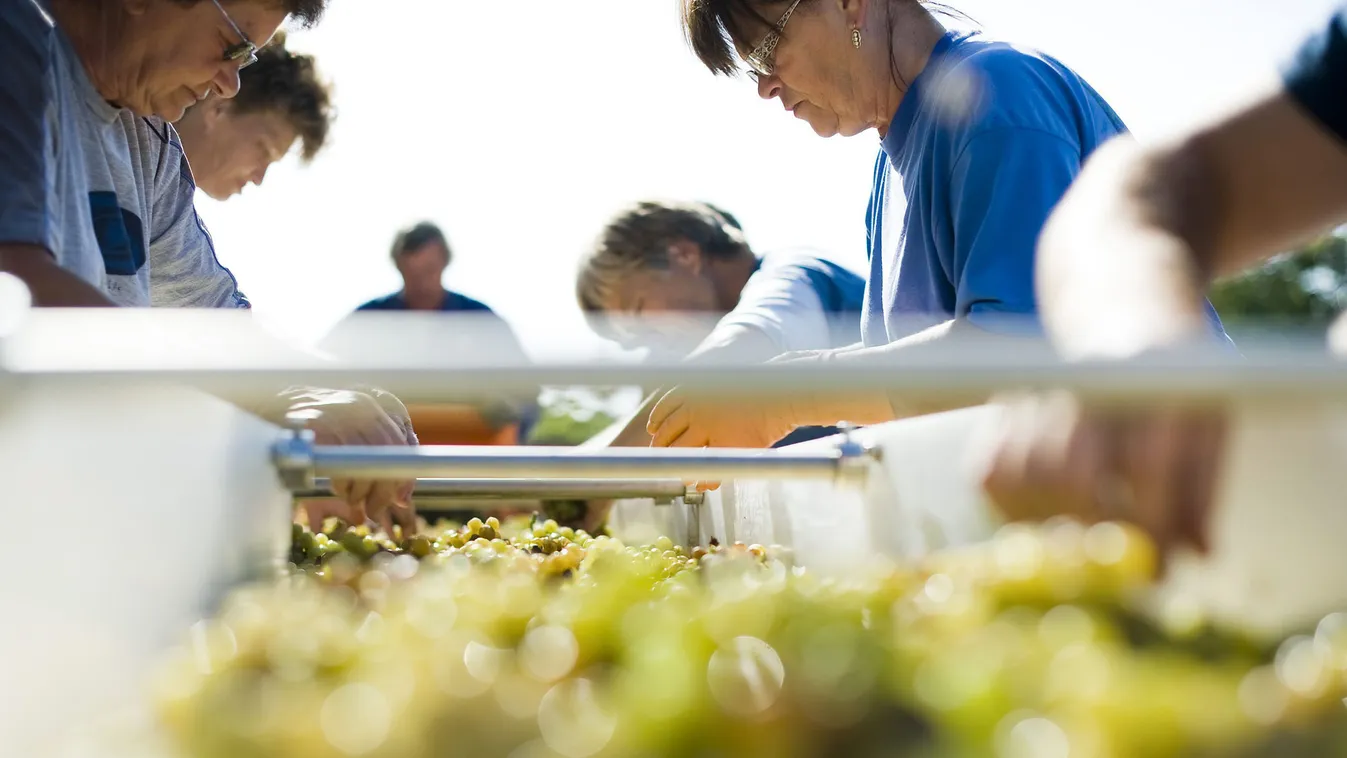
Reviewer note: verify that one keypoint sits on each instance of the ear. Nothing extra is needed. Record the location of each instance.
(686, 256)
(213, 111)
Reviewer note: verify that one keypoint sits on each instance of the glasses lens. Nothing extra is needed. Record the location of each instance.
(243, 54)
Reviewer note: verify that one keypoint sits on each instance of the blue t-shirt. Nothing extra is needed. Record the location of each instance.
(498, 331)
(983, 146)
(453, 301)
(841, 293)
(1317, 76)
(800, 302)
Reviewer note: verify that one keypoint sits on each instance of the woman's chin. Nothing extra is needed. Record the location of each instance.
(823, 129)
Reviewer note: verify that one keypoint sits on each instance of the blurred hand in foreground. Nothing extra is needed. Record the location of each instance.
(1049, 455)
(366, 416)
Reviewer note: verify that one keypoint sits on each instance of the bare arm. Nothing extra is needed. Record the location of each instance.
(878, 407)
(735, 343)
(1126, 257)
(50, 285)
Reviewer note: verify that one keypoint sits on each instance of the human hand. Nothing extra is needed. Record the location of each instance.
(319, 511)
(1156, 468)
(596, 516)
(684, 419)
(359, 417)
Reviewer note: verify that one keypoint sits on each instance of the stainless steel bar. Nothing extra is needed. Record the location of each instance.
(971, 379)
(574, 463)
(528, 489)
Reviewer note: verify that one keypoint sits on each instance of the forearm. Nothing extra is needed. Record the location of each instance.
(737, 344)
(864, 408)
(1124, 261)
(49, 285)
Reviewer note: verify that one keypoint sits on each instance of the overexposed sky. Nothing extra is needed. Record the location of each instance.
(519, 127)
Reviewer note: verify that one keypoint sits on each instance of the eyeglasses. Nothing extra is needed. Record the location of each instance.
(762, 59)
(243, 53)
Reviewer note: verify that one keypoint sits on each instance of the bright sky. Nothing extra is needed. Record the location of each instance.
(520, 127)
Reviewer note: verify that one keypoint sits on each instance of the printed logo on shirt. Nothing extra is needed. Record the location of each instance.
(121, 238)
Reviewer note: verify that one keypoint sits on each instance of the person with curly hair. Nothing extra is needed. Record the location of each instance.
(97, 200)
(282, 100)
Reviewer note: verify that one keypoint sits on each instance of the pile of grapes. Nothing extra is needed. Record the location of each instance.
(529, 640)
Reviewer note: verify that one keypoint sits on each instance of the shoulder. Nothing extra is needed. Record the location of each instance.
(385, 303)
(457, 301)
(28, 39)
(987, 84)
(1315, 76)
(159, 143)
(27, 30)
(803, 259)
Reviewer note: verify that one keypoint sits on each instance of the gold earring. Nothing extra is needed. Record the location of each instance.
(856, 38)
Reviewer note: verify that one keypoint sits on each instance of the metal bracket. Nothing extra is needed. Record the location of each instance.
(694, 500)
(853, 456)
(293, 455)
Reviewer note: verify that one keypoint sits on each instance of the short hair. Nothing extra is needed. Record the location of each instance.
(418, 236)
(288, 85)
(306, 12)
(717, 29)
(638, 239)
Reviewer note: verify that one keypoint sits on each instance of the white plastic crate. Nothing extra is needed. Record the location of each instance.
(129, 512)
(1278, 559)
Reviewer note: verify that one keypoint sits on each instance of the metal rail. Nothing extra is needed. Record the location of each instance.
(431, 491)
(959, 378)
(422, 361)
(300, 462)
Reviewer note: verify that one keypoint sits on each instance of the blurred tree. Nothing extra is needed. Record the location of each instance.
(1302, 290)
(571, 416)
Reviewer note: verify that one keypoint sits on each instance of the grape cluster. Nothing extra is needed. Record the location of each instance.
(531, 640)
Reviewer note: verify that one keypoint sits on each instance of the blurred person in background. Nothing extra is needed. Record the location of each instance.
(979, 140)
(1123, 266)
(680, 279)
(422, 254)
(96, 196)
(230, 143)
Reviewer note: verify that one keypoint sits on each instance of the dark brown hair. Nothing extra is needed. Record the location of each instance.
(418, 236)
(714, 28)
(717, 28)
(638, 239)
(306, 12)
(287, 84)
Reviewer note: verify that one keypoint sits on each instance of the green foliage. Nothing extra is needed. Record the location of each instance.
(569, 418)
(1304, 290)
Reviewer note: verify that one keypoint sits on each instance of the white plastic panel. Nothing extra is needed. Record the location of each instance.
(128, 512)
(1278, 560)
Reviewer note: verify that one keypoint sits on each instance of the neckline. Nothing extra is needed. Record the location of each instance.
(901, 125)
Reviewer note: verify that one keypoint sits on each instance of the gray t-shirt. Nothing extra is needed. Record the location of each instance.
(108, 193)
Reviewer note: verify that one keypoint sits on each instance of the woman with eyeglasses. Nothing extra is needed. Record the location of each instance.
(96, 197)
(979, 140)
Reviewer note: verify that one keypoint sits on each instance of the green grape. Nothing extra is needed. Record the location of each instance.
(535, 638)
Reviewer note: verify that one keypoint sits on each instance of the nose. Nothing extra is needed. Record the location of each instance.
(226, 82)
(768, 87)
(259, 174)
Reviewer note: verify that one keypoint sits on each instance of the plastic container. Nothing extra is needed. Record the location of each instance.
(129, 512)
(1278, 561)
